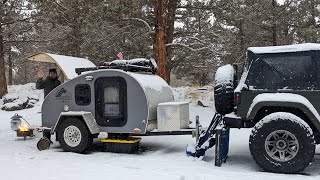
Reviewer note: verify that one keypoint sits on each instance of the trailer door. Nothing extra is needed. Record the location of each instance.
(111, 101)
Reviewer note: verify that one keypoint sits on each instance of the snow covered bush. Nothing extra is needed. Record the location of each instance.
(13, 106)
(13, 102)
(9, 98)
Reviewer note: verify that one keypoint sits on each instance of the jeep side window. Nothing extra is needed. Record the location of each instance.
(278, 72)
(111, 101)
(82, 94)
(264, 77)
(299, 68)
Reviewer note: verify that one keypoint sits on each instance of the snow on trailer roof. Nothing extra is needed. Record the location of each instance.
(151, 81)
(136, 61)
(67, 64)
(285, 48)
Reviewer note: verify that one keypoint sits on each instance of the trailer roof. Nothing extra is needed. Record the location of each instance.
(285, 48)
(67, 64)
(151, 81)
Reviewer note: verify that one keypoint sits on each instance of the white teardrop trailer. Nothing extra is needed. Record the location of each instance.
(124, 99)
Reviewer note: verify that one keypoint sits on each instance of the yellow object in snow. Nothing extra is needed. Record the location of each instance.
(130, 140)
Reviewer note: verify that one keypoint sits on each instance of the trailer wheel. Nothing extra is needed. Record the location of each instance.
(282, 143)
(224, 89)
(74, 136)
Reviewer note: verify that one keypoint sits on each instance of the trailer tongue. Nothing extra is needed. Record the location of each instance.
(217, 135)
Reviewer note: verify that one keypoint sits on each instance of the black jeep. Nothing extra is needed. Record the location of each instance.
(278, 95)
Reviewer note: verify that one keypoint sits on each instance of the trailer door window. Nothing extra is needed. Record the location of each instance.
(111, 101)
(82, 94)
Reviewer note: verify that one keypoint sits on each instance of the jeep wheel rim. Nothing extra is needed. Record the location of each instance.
(281, 145)
(72, 136)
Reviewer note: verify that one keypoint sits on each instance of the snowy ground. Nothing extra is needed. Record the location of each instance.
(159, 157)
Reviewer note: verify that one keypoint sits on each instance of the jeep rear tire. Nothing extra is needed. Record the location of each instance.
(224, 89)
(74, 136)
(282, 143)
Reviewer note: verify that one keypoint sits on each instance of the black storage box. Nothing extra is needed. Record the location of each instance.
(127, 146)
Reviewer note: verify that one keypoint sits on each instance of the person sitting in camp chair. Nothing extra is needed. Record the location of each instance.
(49, 83)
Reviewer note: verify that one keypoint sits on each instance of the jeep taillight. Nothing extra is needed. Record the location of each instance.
(237, 99)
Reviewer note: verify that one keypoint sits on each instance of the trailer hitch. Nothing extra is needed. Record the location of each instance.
(207, 138)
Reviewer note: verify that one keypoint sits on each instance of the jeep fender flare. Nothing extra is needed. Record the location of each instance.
(284, 100)
(86, 117)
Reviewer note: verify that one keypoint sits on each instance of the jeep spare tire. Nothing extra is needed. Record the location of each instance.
(224, 89)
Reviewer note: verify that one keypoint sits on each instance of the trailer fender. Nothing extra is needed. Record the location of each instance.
(287, 100)
(87, 118)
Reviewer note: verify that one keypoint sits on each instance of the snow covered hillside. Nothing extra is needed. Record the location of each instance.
(160, 157)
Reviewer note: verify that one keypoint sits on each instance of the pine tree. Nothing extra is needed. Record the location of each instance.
(14, 22)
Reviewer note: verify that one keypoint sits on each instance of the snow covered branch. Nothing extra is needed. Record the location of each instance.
(60, 5)
(143, 21)
(188, 46)
(15, 21)
(197, 42)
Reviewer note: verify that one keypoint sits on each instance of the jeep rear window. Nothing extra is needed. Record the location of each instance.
(282, 72)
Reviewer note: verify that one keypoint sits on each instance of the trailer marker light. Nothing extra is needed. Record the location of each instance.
(137, 130)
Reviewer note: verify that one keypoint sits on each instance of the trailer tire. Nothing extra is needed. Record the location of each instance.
(224, 89)
(282, 143)
(74, 136)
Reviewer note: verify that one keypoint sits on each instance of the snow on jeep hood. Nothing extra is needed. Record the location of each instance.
(286, 48)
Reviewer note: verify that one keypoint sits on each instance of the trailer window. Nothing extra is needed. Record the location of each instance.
(83, 94)
(111, 101)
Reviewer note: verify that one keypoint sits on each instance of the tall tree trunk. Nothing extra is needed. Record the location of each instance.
(171, 14)
(3, 83)
(241, 36)
(25, 73)
(10, 81)
(274, 24)
(10, 64)
(160, 42)
(76, 29)
(313, 22)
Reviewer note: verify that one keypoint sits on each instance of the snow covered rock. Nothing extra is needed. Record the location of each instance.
(13, 106)
(203, 103)
(13, 102)
(30, 104)
(33, 97)
(9, 98)
(202, 93)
